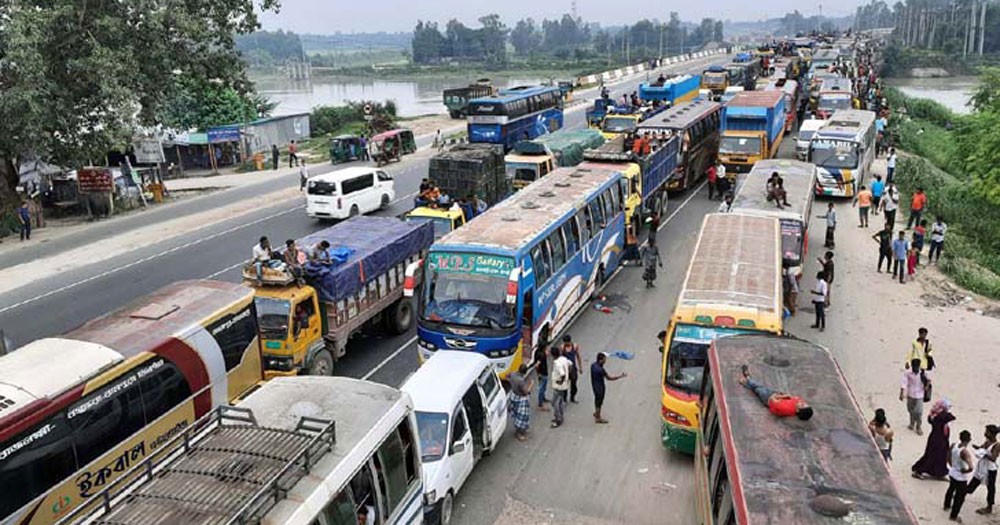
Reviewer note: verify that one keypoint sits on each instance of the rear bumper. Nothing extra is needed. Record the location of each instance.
(677, 438)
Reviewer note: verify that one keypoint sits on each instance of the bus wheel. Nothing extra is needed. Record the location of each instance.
(322, 364)
(447, 505)
(400, 317)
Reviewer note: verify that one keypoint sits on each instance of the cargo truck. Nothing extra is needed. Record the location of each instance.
(457, 99)
(715, 79)
(753, 125)
(460, 172)
(672, 91)
(305, 326)
(627, 119)
(647, 174)
(532, 159)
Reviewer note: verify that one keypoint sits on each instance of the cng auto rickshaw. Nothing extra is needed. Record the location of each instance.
(392, 145)
(346, 148)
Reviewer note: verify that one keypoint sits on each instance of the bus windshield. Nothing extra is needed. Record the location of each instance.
(468, 290)
(740, 145)
(272, 316)
(831, 102)
(522, 172)
(619, 124)
(432, 427)
(839, 154)
(688, 353)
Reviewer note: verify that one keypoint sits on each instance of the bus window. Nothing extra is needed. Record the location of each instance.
(614, 194)
(106, 417)
(572, 235)
(597, 214)
(539, 261)
(558, 250)
(340, 511)
(722, 502)
(609, 207)
(21, 474)
(163, 390)
(409, 450)
(393, 471)
(583, 219)
(363, 488)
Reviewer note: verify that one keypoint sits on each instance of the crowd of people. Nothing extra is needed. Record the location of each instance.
(430, 195)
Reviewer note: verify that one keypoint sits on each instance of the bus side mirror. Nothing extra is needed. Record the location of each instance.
(512, 283)
(411, 278)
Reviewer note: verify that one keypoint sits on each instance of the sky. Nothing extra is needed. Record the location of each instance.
(330, 16)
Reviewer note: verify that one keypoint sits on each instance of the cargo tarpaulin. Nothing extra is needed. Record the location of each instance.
(376, 245)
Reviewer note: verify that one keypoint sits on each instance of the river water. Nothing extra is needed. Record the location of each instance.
(413, 98)
(952, 92)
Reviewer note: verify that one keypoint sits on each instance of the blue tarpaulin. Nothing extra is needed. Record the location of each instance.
(370, 247)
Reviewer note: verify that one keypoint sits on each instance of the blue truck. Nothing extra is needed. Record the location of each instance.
(671, 91)
(753, 125)
(647, 174)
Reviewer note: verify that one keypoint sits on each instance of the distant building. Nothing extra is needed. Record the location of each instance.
(259, 135)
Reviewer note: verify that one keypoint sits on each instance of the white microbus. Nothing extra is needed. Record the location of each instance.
(844, 150)
(348, 192)
(306, 450)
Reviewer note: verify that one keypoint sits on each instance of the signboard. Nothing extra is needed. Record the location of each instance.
(220, 134)
(491, 265)
(148, 151)
(95, 180)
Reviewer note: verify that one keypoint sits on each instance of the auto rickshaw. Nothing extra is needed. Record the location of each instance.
(392, 145)
(346, 148)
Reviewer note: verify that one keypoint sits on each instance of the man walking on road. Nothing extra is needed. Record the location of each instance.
(293, 157)
(917, 204)
(819, 293)
(921, 350)
(863, 201)
(542, 369)
(831, 225)
(712, 180)
(938, 230)
(959, 472)
(890, 166)
(519, 402)
(987, 468)
(572, 352)
(827, 263)
(878, 188)
(890, 202)
(911, 390)
(597, 376)
(560, 386)
(303, 176)
(884, 240)
(899, 251)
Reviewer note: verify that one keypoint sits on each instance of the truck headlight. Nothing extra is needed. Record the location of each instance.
(430, 497)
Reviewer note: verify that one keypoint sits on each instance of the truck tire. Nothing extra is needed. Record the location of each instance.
(322, 364)
(399, 318)
(455, 114)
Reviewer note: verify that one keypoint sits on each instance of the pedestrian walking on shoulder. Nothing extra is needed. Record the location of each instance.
(986, 469)
(959, 472)
(654, 226)
(571, 351)
(650, 256)
(899, 250)
(938, 230)
(303, 176)
(819, 293)
(890, 203)
(878, 189)
(921, 349)
(598, 374)
(912, 392)
(863, 201)
(542, 370)
(884, 240)
(882, 433)
(713, 179)
(917, 204)
(293, 157)
(890, 166)
(365, 153)
(519, 402)
(560, 385)
(24, 218)
(933, 464)
(831, 225)
(919, 235)
(827, 263)
(275, 156)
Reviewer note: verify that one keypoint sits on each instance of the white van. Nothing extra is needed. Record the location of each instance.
(461, 413)
(348, 192)
(807, 129)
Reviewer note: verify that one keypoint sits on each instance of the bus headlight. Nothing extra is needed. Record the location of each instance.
(506, 352)
(426, 346)
(430, 497)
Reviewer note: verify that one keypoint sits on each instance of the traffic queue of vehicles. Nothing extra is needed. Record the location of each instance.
(129, 391)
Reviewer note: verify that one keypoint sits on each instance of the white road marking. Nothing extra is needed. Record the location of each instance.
(146, 259)
(389, 358)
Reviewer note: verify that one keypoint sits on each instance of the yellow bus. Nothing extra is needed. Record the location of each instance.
(733, 286)
(753, 468)
(79, 410)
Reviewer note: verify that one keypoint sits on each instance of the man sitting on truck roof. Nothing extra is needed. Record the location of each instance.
(262, 256)
(291, 258)
(431, 195)
(320, 254)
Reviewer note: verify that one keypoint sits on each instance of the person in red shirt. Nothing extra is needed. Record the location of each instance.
(712, 178)
(917, 204)
(778, 403)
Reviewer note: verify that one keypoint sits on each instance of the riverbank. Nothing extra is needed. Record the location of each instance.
(935, 145)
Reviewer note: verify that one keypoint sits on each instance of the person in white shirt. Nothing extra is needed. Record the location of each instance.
(938, 230)
(560, 385)
(890, 166)
(303, 176)
(890, 201)
(262, 257)
(819, 295)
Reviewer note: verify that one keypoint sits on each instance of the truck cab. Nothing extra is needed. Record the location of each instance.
(615, 124)
(525, 169)
(291, 330)
(716, 80)
(444, 220)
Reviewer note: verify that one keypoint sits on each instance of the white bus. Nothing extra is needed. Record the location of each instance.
(844, 150)
(305, 450)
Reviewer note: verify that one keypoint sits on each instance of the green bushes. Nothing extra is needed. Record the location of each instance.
(350, 118)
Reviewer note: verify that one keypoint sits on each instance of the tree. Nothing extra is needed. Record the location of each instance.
(525, 37)
(79, 78)
(201, 104)
(493, 36)
(428, 43)
(717, 32)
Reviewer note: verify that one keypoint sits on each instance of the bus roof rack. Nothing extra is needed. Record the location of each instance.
(224, 469)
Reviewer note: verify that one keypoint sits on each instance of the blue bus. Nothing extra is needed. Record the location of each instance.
(514, 277)
(516, 114)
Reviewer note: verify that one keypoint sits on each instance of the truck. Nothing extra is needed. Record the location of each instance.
(457, 99)
(647, 174)
(531, 159)
(792, 102)
(597, 112)
(672, 91)
(460, 172)
(753, 125)
(627, 119)
(305, 322)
